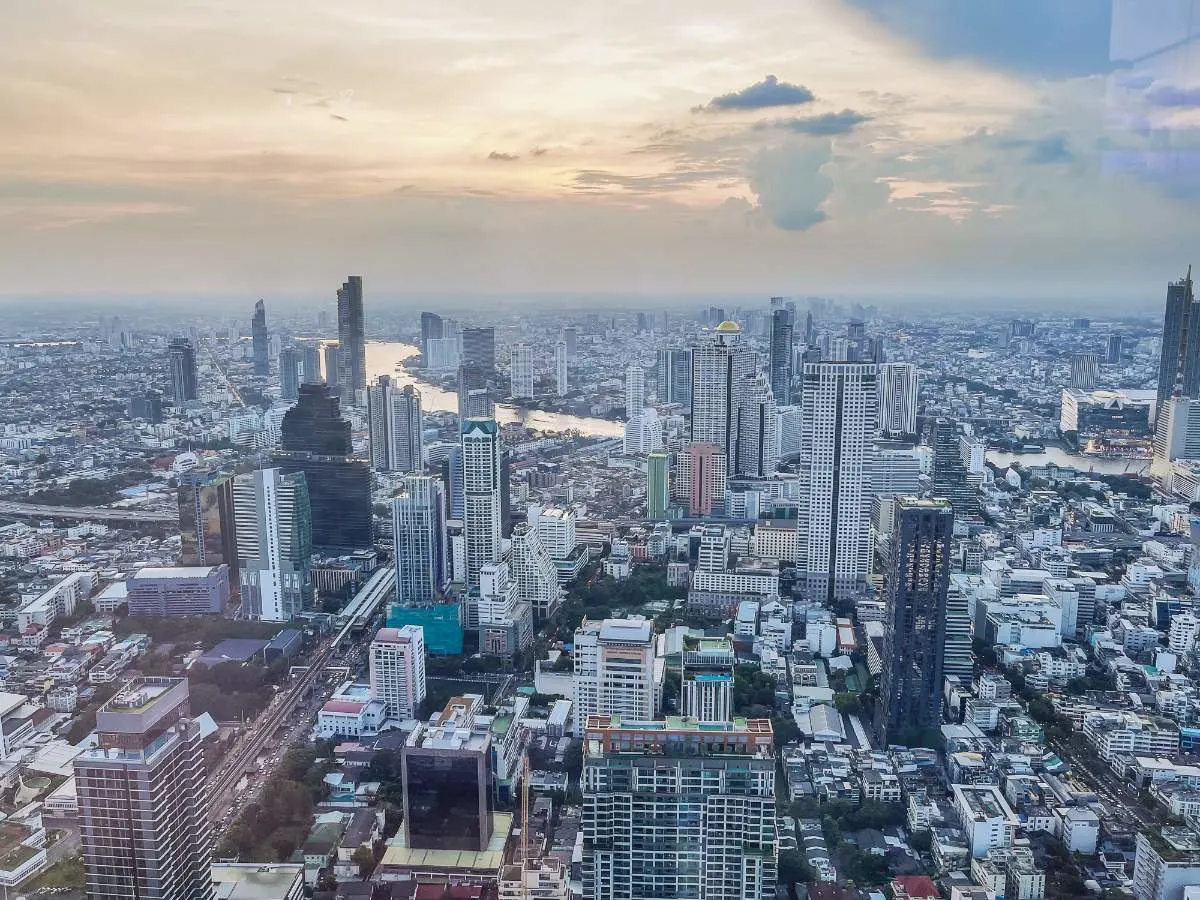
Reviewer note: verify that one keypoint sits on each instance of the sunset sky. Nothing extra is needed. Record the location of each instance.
(865, 147)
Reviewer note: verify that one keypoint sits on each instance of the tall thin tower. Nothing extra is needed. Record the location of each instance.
(719, 378)
(352, 354)
(260, 341)
(481, 458)
(395, 424)
(782, 327)
(1179, 364)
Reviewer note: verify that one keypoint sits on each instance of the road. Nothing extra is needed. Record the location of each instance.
(1120, 800)
(91, 513)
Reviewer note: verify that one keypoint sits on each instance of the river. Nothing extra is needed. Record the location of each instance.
(1061, 457)
(383, 357)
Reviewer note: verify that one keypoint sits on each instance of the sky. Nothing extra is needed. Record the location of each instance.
(866, 148)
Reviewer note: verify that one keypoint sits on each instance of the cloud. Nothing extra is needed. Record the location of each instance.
(1051, 149)
(1172, 95)
(682, 177)
(762, 95)
(1046, 38)
(824, 125)
(791, 184)
(497, 156)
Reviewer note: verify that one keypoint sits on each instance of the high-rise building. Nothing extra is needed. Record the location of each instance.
(147, 406)
(1179, 362)
(899, 386)
(949, 473)
(260, 340)
(703, 473)
(505, 620)
(534, 572)
(474, 393)
(291, 373)
(479, 348)
(184, 383)
(521, 373)
(635, 390)
(1085, 367)
(780, 358)
(422, 548)
(431, 330)
(1177, 434)
(809, 332)
(274, 544)
(707, 678)
(397, 661)
(658, 496)
(1166, 862)
(570, 336)
(1113, 356)
(916, 583)
(674, 373)
(352, 358)
(207, 533)
(394, 417)
(560, 369)
(143, 797)
(315, 440)
(616, 672)
(838, 422)
(678, 809)
(333, 366)
(310, 364)
(757, 429)
(719, 378)
(446, 772)
(481, 451)
(643, 433)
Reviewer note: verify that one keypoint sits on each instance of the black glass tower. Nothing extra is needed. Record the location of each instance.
(352, 358)
(781, 356)
(260, 340)
(184, 384)
(1179, 364)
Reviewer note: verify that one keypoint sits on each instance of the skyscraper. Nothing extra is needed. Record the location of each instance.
(674, 373)
(143, 798)
(474, 393)
(395, 426)
(274, 543)
(291, 373)
(781, 355)
(899, 385)
(521, 372)
(431, 330)
(703, 475)
(315, 440)
(534, 572)
(1113, 356)
(481, 452)
(614, 671)
(1179, 362)
(207, 533)
(757, 428)
(678, 809)
(352, 359)
(310, 364)
(838, 421)
(479, 348)
(333, 366)
(809, 331)
(560, 368)
(949, 472)
(422, 549)
(707, 665)
(260, 340)
(635, 391)
(719, 370)
(1084, 369)
(184, 383)
(916, 582)
(657, 485)
(397, 661)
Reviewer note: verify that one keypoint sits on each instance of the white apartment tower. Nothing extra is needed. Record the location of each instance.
(899, 385)
(274, 543)
(635, 391)
(481, 504)
(397, 660)
(521, 374)
(840, 410)
(422, 547)
(560, 368)
(757, 429)
(616, 671)
(707, 679)
(534, 571)
(394, 417)
(722, 371)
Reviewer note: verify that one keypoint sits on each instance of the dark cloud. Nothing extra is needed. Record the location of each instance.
(824, 125)
(1047, 38)
(791, 185)
(497, 156)
(762, 95)
(1172, 95)
(539, 151)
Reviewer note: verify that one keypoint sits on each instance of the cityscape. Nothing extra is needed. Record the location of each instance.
(800, 598)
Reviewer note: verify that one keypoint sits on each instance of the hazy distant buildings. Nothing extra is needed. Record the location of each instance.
(474, 393)
(274, 543)
(143, 800)
(1179, 362)
(839, 410)
(291, 373)
(899, 386)
(479, 348)
(184, 382)
(560, 368)
(333, 366)
(916, 583)
(395, 426)
(1113, 355)
(521, 371)
(352, 357)
(260, 340)
(673, 371)
(1085, 367)
(635, 391)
